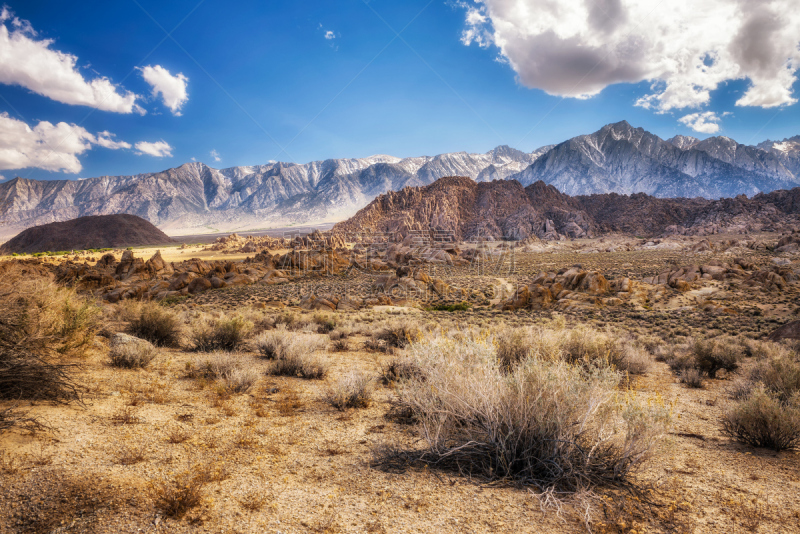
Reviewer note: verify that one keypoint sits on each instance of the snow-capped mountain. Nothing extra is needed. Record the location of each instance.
(623, 159)
(195, 198)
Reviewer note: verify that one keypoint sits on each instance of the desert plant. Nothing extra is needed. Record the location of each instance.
(298, 359)
(691, 377)
(762, 420)
(228, 367)
(398, 334)
(271, 345)
(41, 328)
(340, 345)
(352, 391)
(157, 324)
(543, 422)
(177, 493)
(513, 345)
(220, 334)
(131, 353)
(780, 375)
(714, 355)
(400, 369)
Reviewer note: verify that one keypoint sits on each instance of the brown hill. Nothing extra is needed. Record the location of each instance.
(100, 231)
(503, 209)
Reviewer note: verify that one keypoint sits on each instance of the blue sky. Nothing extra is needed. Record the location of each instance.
(303, 81)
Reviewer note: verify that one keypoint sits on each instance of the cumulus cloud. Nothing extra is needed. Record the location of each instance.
(171, 88)
(330, 35)
(576, 48)
(215, 155)
(704, 122)
(52, 147)
(158, 149)
(33, 63)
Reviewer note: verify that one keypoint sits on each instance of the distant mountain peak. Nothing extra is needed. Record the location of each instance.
(683, 142)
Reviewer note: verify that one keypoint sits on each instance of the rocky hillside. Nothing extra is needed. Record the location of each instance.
(195, 198)
(101, 231)
(466, 209)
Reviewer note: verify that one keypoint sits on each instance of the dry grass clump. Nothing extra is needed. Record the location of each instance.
(176, 493)
(296, 357)
(397, 334)
(158, 325)
(354, 390)
(272, 344)
(131, 353)
(400, 369)
(41, 327)
(583, 346)
(228, 367)
(325, 323)
(543, 422)
(226, 333)
(762, 420)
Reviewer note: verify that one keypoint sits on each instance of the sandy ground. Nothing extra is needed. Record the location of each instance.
(289, 462)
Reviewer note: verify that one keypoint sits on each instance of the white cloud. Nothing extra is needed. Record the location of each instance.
(576, 48)
(105, 140)
(215, 155)
(158, 149)
(330, 35)
(48, 146)
(704, 122)
(33, 64)
(171, 88)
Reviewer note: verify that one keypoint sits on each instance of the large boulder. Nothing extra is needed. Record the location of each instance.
(788, 331)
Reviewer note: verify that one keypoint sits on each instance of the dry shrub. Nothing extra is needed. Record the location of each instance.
(325, 323)
(400, 369)
(271, 345)
(543, 422)
(352, 391)
(513, 345)
(714, 355)
(397, 334)
(176, 493)
(210, 334)
(229, 367)
(340, 345)
(131, 353)
(130, 453)
(583, 346)
(41, 327)
(779, 375)
(691, 377)
(297, 358)
(157, 324)
(762, 420)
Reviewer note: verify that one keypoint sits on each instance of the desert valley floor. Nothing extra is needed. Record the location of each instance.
(279, 453)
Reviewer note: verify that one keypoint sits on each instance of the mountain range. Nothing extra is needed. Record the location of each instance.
(195, 198)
